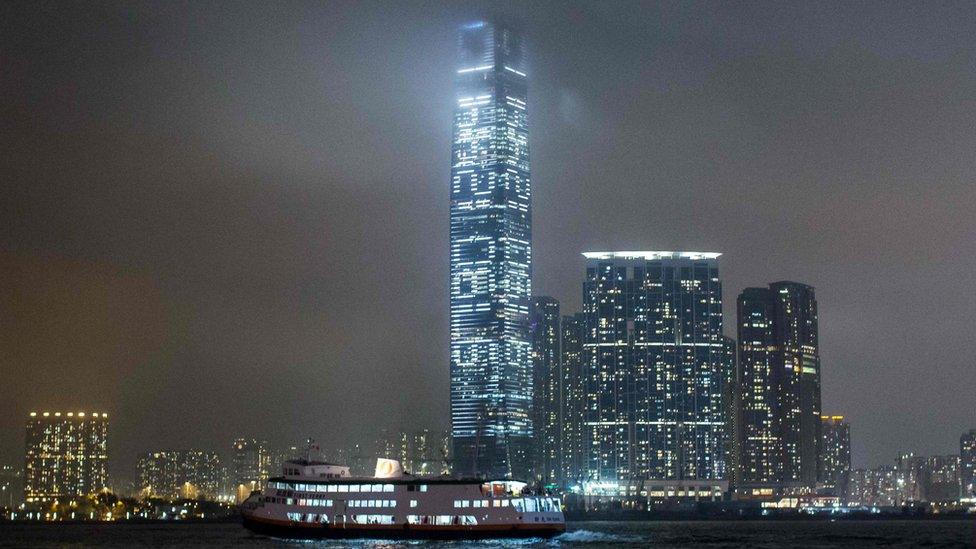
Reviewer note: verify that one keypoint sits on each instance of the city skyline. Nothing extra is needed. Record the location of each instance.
(250, 253)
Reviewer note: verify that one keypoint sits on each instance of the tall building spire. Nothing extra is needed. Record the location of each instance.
(491, 255)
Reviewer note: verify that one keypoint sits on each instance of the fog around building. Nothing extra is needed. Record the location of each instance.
(226, 220)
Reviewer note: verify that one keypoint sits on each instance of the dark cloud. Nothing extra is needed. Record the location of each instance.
(229, 219)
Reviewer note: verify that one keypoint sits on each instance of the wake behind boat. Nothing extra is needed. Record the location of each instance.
(314, 499)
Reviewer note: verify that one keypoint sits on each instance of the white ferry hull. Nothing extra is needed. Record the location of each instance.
(297, 530)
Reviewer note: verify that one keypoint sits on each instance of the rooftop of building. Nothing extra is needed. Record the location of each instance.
(650, 255)
(73, 415)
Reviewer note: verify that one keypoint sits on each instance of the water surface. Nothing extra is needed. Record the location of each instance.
(711, 534)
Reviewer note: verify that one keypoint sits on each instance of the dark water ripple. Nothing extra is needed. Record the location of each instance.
(590, 535)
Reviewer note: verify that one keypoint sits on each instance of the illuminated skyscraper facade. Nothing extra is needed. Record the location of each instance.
(547, 384)
(967, 466)
(835, 453)
(653, 359)
(779, 385)
(760, 450)
(66, 455)
(251, 466)
(491, 256)
(573, 404)
(730, 408)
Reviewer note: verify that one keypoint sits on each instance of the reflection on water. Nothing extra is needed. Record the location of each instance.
(713, 534)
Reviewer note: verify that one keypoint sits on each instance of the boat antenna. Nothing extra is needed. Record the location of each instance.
(308, 449)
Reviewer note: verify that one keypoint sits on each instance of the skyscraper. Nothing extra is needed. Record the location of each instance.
(760, 451)
(251, 466)
(653, 356)
(573, 401)
(66, 455)
(547, 384)
(967, 465)
(779, 385)
(729, 372)
(491, 256)
(835, 453)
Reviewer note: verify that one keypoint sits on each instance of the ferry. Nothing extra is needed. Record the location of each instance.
(315, 499)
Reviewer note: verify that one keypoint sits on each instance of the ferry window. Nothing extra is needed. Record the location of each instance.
(323, 518)
(387, 487)
(353, 487)
(465, 503)
(413, 503)
(457, 503)
(373, 519)
(504, 503)
(367, 488)
(423, 487)
(392, 503)
(343, 487)
(331, 488)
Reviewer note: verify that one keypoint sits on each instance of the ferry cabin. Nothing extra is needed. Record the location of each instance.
(441, 502)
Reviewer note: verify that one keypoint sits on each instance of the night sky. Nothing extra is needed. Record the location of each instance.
(227, 219)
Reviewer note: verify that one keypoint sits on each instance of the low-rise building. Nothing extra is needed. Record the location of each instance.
(188, 474)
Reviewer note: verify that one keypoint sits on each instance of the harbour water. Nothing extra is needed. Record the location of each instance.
(710, 534)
